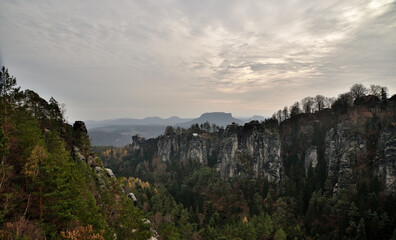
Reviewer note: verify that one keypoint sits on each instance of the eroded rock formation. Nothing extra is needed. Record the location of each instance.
(385, 160)
(343, 149)
(250, 150)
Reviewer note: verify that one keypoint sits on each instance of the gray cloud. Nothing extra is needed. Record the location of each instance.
(174, 57)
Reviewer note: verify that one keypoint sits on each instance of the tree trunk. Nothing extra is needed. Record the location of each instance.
(41, 204)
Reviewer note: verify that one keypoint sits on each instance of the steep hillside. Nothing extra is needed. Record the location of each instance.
(51, 185)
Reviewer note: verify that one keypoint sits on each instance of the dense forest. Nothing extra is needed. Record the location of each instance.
(45, 191)
(321, 172)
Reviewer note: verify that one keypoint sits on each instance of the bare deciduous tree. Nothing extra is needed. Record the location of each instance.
(307, 104)
(358, 90)
(329, 102)
(375, 90)
(320, 102)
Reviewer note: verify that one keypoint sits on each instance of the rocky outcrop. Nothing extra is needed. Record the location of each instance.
(80, 127)
(197, 149)
(385, 161)
(227, 156)
(104, 176)
(343, 149)
(132, 197)
(138, 142)
(168, 147)
(109, 173)
(311, 158)
(91, 159)
(81, 138)
(77, 155)
(83, 155)
(250, 150)
(183, 147)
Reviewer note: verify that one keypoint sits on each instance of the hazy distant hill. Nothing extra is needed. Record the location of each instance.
(218, 118)
(121, 135)
(118, 132)
(131, 121)
(254, 118)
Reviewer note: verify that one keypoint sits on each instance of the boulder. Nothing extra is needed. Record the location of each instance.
(110, 172)
(133, 198)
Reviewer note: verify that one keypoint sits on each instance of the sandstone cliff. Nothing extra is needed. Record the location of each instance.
(385, 161)
(344, 148)
(250, 150)
(342, 152)
(239, 150)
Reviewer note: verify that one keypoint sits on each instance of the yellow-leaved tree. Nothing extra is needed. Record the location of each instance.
(31, 170)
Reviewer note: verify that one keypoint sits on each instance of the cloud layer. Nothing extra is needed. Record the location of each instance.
(172, 57)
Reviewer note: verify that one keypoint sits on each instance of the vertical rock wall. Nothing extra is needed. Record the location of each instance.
(251, 150)
(343, 149)
(385, 161)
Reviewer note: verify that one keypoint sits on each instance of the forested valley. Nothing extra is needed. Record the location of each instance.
(311, 172)
(321, 169)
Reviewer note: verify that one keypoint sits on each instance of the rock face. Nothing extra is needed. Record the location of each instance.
(250, 150)
(385, 161)
(138, 142)
(343, 149)
(311, 158)
(183, 147)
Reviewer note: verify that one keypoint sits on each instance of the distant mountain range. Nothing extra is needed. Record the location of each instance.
(131, 121)
(118, 132)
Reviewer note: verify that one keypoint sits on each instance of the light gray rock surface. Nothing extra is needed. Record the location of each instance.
(250, 150)
(343, 149)
(183, 147)
(385, 161)
(311, 158)
(77, 155)
(110, 172)
(132, 197)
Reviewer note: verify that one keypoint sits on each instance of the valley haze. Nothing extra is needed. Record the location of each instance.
(119, 132)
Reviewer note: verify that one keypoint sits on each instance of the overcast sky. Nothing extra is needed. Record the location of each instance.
(136, 58)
